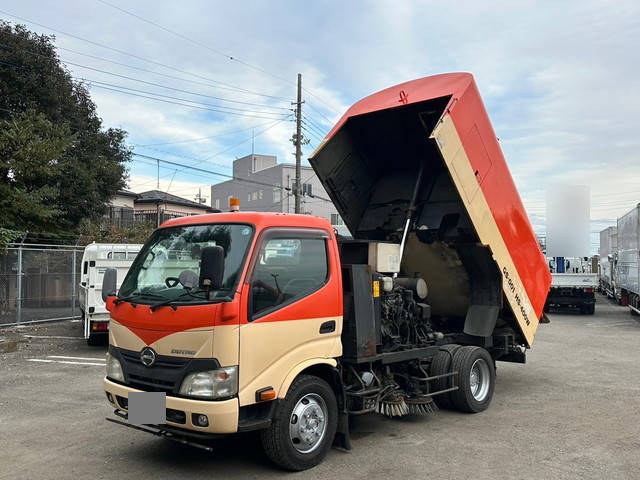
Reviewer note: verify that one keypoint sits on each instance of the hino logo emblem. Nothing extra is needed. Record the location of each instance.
(148, 357)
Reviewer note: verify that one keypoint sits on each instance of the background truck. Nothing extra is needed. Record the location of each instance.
(608, 252)
(97, 257)
(573, 284)
(627, 271)
(264, 321)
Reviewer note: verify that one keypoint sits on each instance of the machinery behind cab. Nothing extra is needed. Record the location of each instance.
(385, 317)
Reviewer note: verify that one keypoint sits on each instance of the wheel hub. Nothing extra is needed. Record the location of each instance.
(308, 424)
(479, 380)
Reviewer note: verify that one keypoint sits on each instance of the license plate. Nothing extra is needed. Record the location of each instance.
(147, 408)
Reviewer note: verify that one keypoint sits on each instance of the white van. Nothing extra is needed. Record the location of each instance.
(96, 259)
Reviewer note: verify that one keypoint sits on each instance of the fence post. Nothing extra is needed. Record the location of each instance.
(73, 283)
(19, 286)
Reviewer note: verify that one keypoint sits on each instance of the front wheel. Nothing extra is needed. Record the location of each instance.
(303, 425)
(476, 379)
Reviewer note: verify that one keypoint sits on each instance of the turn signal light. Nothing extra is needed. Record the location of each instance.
(99, 326)
(268, 394)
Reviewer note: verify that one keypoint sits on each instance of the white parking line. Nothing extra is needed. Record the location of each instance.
(51, 336)
(77, 358)
(42, 360)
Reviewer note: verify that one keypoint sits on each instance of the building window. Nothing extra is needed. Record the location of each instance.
(260, 194)
(276, 193)
(306, 189)
(216, 203)
(248, 197)
(254, 196)
(336, 219)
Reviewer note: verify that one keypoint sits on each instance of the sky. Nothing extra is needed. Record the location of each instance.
(560, 80)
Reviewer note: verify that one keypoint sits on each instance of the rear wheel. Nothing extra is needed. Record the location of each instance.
(476, 379)
(441, 364)
(303, 426)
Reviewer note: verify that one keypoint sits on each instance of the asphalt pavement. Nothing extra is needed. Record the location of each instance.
(572, 412)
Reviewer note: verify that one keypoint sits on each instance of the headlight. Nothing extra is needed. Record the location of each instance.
(114, 369)
(219, 383)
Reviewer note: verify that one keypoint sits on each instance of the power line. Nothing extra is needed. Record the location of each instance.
(199, 161)
(216, 51)
(234, 89)
(234, 111)
(195, 42)
(177, 103)
(210, 172)
(201, 138)
(123, 52)
(153, 84)
(319, 127)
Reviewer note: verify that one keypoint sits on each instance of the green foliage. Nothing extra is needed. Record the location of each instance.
(6, 237)
(58, 166)
(101, 233)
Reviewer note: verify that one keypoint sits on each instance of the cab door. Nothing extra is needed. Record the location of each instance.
(293, 304)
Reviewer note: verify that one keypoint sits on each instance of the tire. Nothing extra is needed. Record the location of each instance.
(441, 364)
(468, 397)
(278, 440)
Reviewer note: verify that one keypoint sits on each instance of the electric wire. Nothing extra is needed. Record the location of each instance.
(216, 51)
(123, 52)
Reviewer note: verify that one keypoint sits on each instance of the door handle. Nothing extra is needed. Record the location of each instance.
(328, 327)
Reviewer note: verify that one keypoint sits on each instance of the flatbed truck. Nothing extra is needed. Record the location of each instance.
(245, 321)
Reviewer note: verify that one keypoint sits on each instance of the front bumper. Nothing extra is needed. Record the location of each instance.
(223, 415)
(567, 301)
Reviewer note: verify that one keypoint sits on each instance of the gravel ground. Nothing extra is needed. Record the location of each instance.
(573, 412)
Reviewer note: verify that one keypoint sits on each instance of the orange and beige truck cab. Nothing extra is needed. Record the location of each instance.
(212, 358)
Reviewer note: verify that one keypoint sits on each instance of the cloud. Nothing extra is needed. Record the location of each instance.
(559, 81)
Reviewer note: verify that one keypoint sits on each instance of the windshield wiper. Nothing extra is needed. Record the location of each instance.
(136, 295)
(171, 302)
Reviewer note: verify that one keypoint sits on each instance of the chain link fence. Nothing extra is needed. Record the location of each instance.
(39, 283)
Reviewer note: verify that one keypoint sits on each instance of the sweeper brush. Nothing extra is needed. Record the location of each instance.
(419, 405)
(393, 406)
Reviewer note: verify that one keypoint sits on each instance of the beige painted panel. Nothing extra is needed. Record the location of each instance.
(220, 342)
(121, 337)
(269, 351)
(455, 158)
(223, 415)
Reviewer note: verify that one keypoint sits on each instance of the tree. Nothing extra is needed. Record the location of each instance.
(58, 166)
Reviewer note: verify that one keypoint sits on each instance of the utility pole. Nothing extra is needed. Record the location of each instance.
(298, 143)
(158, 182)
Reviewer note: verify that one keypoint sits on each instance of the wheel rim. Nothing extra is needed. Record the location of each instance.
(308, 423)
(479, 380)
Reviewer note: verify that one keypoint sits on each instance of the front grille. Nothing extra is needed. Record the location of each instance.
(161, 362)
(165, 375)
(150, 384)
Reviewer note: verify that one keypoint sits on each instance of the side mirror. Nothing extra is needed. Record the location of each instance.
(109, 283)
(211, 268)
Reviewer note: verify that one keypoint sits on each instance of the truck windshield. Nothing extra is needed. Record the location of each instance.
(171, 251)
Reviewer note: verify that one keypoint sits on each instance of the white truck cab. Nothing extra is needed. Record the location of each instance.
(96, 259)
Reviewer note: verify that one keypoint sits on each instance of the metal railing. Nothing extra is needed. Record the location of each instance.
(39, 283)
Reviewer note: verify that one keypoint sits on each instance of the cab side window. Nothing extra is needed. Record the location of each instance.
(287, 270)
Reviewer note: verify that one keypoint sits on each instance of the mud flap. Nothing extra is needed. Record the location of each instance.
(485, 290)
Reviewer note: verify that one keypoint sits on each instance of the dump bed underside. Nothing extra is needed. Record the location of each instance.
(371, 163)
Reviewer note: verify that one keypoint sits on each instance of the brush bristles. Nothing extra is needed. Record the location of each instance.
(398, 407)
